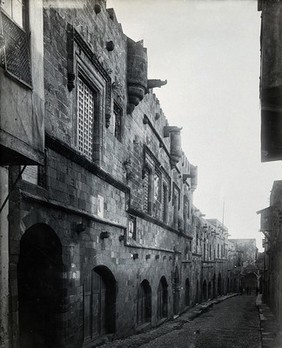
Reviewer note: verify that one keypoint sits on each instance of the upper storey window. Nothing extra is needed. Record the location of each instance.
(15, 54)
(85, 119)
(118, 122)
(147, 191)
(16, 9)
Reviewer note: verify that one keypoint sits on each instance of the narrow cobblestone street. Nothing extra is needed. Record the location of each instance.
(233, 323)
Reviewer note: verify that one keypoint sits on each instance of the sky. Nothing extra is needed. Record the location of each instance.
(209, 51)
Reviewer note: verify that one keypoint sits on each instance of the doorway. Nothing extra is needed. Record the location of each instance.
(40, 287)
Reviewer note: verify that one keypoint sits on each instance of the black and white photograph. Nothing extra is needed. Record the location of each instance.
(140, 173)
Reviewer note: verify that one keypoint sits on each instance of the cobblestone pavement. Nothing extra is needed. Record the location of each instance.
(230, 324)
(233, 323)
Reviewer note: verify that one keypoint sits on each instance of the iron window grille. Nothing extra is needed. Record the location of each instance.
(85, 119)
(147, 190)
(15, 54)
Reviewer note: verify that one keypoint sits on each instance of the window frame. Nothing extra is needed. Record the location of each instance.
(133, 234)
(151, 164)
(86, 72)
(147, 169)
(25, 14)
(117, 110)
(94, 94)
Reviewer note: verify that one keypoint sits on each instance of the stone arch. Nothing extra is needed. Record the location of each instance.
(99, 303)
(144, 302)
(176, 290)
(162, 299)
(187, 292)
(219, 285)
(204, 290)
(40, 287)
(214, 286)
(209, 290)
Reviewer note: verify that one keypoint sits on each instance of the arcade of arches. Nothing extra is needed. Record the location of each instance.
(41, 288)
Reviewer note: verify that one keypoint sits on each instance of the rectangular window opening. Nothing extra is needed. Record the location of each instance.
(85, 119)
(118, 122)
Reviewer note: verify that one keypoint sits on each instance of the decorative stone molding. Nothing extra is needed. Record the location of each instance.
(74, 37)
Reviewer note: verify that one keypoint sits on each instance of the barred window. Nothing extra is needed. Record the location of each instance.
(15, 55)
(85, 119)
(147, 191)
(164, 203)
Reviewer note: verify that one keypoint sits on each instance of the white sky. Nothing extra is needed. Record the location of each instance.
(209, 53)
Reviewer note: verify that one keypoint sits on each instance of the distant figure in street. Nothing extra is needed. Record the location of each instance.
(247, 290)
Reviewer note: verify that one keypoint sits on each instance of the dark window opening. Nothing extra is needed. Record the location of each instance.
(118, 122)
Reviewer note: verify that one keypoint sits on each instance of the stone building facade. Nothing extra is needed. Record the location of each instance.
(104, 239)
(271, 79)
(21, 119)
(243, 255)
(271, 227)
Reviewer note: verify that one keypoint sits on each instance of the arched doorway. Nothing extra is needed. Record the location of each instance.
(197, 292)
(144, 303)
(99, 298)
(204, 290)
(249, 282)
(209, 291)
(162, 299)
(213, 286)
(187, 292)
(40, 288)
(219, 290)
(176, 289)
